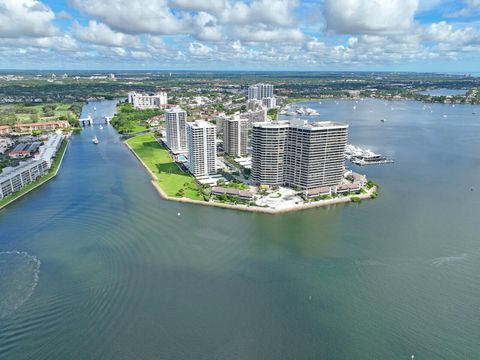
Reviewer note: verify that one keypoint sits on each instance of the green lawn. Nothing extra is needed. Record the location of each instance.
(21, 113)
(51, 173)
(129, 120)
(170, 177)
(137, 128)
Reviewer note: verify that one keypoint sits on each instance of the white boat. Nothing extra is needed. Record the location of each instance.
(94, 108)
(354, 107)
(101, 127)
(360, 156)
(311, 112)
(301, 111)
(95, 140)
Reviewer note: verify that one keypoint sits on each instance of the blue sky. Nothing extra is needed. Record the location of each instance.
(401, 35)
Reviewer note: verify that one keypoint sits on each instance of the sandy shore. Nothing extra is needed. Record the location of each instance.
(245, 207)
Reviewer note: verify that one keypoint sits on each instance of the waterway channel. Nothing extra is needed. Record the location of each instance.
(94, 265)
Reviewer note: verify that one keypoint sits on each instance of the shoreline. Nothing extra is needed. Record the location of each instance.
(48, 178)
(256, 209)
(385, 98)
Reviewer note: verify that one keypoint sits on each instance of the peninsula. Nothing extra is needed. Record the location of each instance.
(246, 161)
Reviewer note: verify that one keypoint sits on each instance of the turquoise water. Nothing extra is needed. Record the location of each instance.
(107, 270)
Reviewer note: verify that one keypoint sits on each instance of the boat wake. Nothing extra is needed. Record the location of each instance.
(447, 259)
(19, 275)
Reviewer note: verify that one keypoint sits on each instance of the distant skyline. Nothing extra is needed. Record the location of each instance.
(287, 35)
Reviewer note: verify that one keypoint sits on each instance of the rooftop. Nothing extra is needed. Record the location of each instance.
(301, 124)
(201, 124)
(304, 124)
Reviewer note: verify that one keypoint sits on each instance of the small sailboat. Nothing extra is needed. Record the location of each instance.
(95, 140)
(101, 127)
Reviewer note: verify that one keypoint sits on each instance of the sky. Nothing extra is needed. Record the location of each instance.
(312, 35)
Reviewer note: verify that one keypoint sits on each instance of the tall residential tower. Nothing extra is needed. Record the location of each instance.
(268, 152)
(263, 93)
(298, 154)
(202, 148)
(175, 122)
(235, 136)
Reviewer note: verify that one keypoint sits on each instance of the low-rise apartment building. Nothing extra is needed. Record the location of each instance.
(12, 179)
(146, 101)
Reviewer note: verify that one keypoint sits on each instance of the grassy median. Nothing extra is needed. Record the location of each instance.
(174, 181)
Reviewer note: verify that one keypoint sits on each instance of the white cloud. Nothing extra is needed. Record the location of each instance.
(205, 20)
(204, 27)
(260, 33)
(132, 17)
(214, 6)
(63, 15)
(199, 49)
(63, 43)
(25, 18)
(470, 8)
(265, 34)
(101, 34)
(270, 12)
(370, 17)
(444, 32)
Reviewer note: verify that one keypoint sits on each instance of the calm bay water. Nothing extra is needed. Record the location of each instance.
(121, 276)
(444, 92)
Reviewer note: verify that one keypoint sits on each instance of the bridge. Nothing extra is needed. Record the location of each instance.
(88, 120)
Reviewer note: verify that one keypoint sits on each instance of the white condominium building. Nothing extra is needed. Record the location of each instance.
(145, 101)
(175, 122)
(12, 179)
(202, 148)
(260, 91)
(269, 102)
(235, 136)
(268, 152)
(254, 105)
(298, 154)
(255, 116)
(315, 154)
